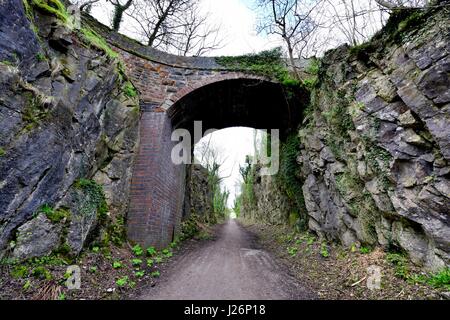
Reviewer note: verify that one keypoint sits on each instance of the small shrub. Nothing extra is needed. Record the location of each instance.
(324, 250)
(27, 285)
(440, 279)
(364, 250)
(140, 273)
(158, 259)
(122, 282)
(167, 253)
(137, 250)
(155, 274)
(292, 251)
(151, 251)
(136, 262)
(399, 261)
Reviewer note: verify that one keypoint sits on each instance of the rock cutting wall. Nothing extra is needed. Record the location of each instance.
(198, 199)
(374, 159)
(68, 130)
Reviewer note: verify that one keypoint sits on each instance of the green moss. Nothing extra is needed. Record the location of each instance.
(313, 71)
(129, 90)
(7, 63)
(359, 202)
(287, 177)
(414, 19)
(379, 160)
(55, 216)
(267, 63)
(53, 7)
(19, 272)
(362, 51)
(42, 273)
(40, 56)
(95, 40)
(96, 196)
(34, 111)
(399, 261)
(2, 152)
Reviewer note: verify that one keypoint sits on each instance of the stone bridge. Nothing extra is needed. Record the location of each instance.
(174, 92)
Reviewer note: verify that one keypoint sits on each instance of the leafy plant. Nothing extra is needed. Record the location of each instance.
(399, 261)
(140, 273)
(136, 262)
(292, 251)
(19, 272)
(364, 250)
(310, 240)
(117, 264)
(129, 90)
(324, 250)
(40, 56)
(150, 262)
(440, 279)
(122, 282)
(137, 250)
(27, 285)
(155, 274)
(167, 253)
(158, 259)
(55, 216)
(151, 251)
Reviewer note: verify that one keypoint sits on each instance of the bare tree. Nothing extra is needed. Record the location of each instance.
(119, 10)
(158, 20)
(398, 4)
(291, 20)
(176, 26)
(196, 36)
(86, 5)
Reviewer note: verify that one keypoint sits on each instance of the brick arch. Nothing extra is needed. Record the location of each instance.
(157, 189)
(217, 78)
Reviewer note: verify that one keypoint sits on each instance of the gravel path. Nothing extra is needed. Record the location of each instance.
(231, 267)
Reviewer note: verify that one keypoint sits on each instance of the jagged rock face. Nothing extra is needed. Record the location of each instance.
(269, 203)
(199, 195)
(64, 116)
(375, 155)
(38, 237)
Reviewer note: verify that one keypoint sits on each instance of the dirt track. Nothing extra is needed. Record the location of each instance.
(231, 267)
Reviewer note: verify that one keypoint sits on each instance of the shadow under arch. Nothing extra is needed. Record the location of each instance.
(242, 102)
